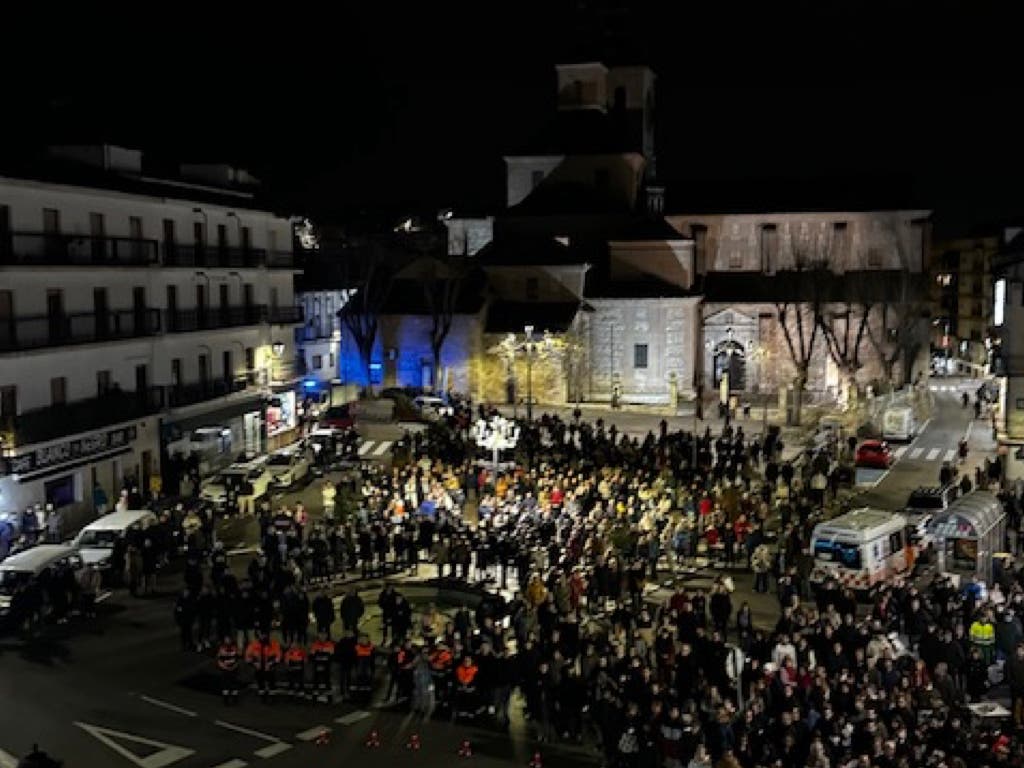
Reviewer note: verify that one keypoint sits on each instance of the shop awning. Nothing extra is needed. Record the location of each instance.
(219, 415)
(969, 517)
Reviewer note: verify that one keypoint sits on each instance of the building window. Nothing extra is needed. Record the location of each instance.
(639, 355)
(532, 289)
(318, 362)
(59, 390)
(102, 382)
(60, 492)
(735, 260)
(330, 360)
(874, 258)
(250, 359)
(8, 404)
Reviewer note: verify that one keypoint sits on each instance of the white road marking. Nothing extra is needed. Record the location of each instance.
(933, 454)
(384, 445)
(364, 448)
(167, 754)
(916, 453)
(313, 733)
(233, 763)
(900, 451)
(168, 705)
(273, 749)
(970, 426)
(243, 551)
(247, 731)
(106, 595)
(352, 717)
(950, 455)
(7, 760)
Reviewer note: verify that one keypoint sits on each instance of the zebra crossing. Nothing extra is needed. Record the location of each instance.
(946, 387)
(915, 453)
(374, 449)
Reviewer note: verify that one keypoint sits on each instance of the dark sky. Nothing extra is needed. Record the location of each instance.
(387, 107)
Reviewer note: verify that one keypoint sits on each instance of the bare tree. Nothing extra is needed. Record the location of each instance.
(799, 315)
(369, 272)
(443, 280)
(844, 330)
(905, 310)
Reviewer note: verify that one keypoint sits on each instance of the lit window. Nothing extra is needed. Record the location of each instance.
(318, 362)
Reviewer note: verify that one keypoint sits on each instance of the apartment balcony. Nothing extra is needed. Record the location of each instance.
(175, 255)
(187, 320)
(21, 334)
(181, 395)
(55, 421)
(30, 249)
(286, 315)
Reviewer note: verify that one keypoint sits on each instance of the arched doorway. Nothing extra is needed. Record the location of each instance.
(730, 357)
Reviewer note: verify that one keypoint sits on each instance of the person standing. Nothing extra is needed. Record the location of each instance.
(264, 654)
(89, 585)
(227, 663)
(321, 653)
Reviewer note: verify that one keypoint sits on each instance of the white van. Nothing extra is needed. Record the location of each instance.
(860, 549)
(19, 569)
(899, 423)
(249, 481)
(96, 541)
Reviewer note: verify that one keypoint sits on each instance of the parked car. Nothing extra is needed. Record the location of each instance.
(338, 417)
(287, 467)
(96, 541)
(432, 406)
(247, 481)
(212, 439)
(874, 454)
(45, 561)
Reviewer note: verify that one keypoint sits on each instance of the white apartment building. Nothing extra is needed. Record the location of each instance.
(132, 310)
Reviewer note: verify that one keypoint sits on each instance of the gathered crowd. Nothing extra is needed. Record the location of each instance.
(564, 557)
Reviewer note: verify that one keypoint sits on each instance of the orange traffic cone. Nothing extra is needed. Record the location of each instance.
(323, 739)
(414, 742)
(465, 749)
(373, 740)
(536, 761)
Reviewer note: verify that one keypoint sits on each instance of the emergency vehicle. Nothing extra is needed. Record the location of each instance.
(861, 549)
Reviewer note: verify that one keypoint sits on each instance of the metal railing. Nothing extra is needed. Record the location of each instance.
(286, 315)
(177, 255)
(37, 332)
(181, 395)
(211, 318)
(42, 249)
(112, 407)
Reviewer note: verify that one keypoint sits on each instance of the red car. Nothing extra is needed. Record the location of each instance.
(338, 417)
(874, 454)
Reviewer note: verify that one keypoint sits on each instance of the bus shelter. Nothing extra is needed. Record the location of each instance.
(968, 533)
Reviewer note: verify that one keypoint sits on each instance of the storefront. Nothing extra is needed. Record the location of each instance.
(66, 472)
(281, 419)
(968, 533)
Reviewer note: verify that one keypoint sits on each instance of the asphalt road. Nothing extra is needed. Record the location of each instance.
(119, 691)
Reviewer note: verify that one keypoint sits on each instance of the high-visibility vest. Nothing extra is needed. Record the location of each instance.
(322, 651)
(466, 675)
(440, 659)
(983, 634)
(227, 657)
(364, 650)
(260, 654)
(295, 657)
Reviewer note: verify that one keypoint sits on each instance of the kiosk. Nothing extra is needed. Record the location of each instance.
(968, 533)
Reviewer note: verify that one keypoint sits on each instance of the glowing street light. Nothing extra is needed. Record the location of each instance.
(497, 435)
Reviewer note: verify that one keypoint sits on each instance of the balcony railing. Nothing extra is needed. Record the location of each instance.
(24, 333)
(211, 318)
(181, 395)
(39, 248)
(280, 259)
(285, 315)
(175, 255)
(56, 421)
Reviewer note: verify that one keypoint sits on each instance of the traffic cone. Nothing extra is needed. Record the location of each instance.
(414, 742)
(323, 739)
(536, 761)
(465, 749)
(373, 740)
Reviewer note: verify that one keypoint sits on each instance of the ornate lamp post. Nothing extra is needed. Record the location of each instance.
(496, 435)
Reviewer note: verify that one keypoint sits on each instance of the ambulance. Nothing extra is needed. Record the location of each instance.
(861, 549)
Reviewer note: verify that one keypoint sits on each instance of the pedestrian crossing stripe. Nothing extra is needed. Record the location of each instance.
(933, 454)
(352, 717)
(313, 733)
(950, 455)
(381, 448)
(900, 451)
(916, 453)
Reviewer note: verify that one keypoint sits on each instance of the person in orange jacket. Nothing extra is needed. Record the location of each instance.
(264, 654)
(440, 661)
(227, 663)
(364, 663)
(295, 665)
(466, 700)
(321, 654)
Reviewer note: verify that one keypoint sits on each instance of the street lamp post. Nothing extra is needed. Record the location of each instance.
(496, 435)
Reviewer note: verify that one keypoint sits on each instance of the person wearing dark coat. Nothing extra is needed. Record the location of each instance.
(351, 609)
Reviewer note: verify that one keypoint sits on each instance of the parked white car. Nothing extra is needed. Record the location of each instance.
(249, 481)
(432, 406)
(96, 541)
(205, 440)
(287, 467)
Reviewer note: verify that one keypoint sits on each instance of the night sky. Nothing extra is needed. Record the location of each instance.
(386, 109)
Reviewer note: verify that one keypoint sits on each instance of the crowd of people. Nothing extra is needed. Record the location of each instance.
(561, 558)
